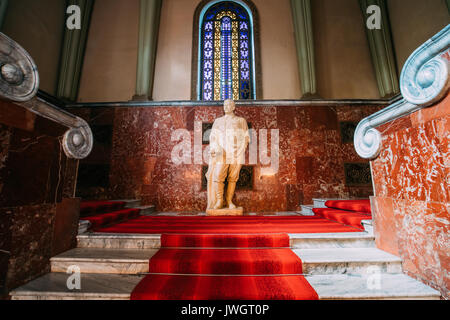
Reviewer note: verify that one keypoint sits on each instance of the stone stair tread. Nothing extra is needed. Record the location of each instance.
(119, 241)
(337, 236)
(100, 286)
(105, 255)
(118, 236)
(130, 203)
(325, 255)
(393, 286)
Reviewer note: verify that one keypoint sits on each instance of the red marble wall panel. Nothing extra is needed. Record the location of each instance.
(411, 182)
(311, 162)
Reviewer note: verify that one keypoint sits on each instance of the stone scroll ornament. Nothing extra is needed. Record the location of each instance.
(19, 83)
(424, 81)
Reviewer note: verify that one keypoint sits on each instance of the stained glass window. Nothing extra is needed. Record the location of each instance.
(226, 70)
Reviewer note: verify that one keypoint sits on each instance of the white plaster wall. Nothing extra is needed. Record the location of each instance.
(174, 57)
(413, 22)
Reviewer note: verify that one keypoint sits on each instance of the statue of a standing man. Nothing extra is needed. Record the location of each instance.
(228, 142)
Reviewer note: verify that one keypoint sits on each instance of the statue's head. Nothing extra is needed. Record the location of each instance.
(229, 106)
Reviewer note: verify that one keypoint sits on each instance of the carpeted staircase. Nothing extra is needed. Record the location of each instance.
(292, 257)
(102, 214)
(224, 267)
(348, 212)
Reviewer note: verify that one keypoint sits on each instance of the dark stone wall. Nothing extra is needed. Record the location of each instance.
(36, 178)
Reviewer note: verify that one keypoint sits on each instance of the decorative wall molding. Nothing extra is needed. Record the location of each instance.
(304, 39)
(240, 103)
(149, 18)
(19, 82)
(382, 50)
(72, 56)
(19, 78)
(423, 82)
(78, 140)
(425, 77)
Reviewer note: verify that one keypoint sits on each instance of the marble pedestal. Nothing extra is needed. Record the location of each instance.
(225, 212)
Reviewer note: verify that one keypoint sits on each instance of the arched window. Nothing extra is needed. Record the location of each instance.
(226, 66)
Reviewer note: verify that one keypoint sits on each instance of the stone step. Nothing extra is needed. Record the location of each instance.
(147, 210)
(53, 286)
(297, 241)
(368, 226)
(83, 226)
(332, 240)
(130, 203)
(348, 261)
(119, 241)
(307, 210)
(366, 287)
(320, 203)
(116, 261)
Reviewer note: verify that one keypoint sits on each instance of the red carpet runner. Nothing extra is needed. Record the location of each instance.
(224, 267)
(348, 212)
(104, 213)
(215, 225)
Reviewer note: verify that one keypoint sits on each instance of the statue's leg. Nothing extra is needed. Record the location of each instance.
(233, 177)
(210, 186)
(220, 174)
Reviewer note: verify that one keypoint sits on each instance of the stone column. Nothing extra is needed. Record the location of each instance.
(150, 12)
(381, 50)
(73, 49)
(3, 9)
(301, 12)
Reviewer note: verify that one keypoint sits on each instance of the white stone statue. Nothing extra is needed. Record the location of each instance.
(228, 142)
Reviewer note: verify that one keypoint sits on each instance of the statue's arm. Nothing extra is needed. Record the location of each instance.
(213, 144)
(247, 134)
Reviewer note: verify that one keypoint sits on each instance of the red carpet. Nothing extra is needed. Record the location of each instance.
(348, 212)
(104, 213)
(224, 241)
(255, 268)
(345, 217)
(102, 220)
(350, 205)
(170, 287)
(226, 261)
(227, 225)
(88, 208)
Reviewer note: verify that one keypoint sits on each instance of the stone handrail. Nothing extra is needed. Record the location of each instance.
(423, 82)
(19, 83)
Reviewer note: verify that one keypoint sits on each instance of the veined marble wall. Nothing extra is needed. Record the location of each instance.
(411, 203)
(311, 164)
(37, 218)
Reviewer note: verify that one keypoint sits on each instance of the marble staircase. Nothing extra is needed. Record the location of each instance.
(84, 225)
(338, 266)
(307, 210)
